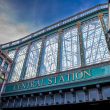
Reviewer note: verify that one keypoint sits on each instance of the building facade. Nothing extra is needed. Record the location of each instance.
(65, 64)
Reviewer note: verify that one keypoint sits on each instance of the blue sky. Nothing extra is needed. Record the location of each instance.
(22, 17)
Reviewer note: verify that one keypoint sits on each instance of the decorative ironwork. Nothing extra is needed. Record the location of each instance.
(18, 64)
(32, 60)
(95, 45)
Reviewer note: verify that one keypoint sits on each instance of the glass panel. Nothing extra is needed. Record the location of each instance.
(1, 77)
(106, 20)
(32, 62)
(18, 64)
(1, 60)
(49, 60)
(5, 65)
(95, 46)
(11, 54)
(71, 50)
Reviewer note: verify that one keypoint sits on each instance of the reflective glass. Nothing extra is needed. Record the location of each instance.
(49, 60)
(70, 49)
(95, 47)
(11, 54)
(18, 64)
(32, 61)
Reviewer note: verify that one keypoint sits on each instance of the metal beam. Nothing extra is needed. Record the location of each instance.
(23, 72)
(60, 32)
(108, 37)
(108, 14)
(107, 34)
(40, 56)
(13, 65)
(100, 16)
(82, 55)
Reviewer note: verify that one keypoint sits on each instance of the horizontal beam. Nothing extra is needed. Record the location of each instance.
(73, 78)
(93, 94)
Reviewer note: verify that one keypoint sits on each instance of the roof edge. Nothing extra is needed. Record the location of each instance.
(55, 25)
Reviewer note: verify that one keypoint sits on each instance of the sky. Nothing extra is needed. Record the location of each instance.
(19, 18)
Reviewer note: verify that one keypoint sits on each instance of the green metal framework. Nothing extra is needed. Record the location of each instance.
(76, 42)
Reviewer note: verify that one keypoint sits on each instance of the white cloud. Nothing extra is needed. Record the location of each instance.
(9, 29)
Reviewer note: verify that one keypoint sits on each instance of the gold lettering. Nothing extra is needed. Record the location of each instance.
(15, 87)
(73, 78)
(49, 81)
(55, 80)
(42, 82)
(32, 84)
(38, 83)
(79, 75)
(28, 85)
(61, 78)
(18, 86)
(87, 74)
(68, 75)
(23, 85)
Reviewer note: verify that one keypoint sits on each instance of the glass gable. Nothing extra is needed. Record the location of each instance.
(70, 49)
(32, 61)
(11, 54)
(1, 60)
(95, 46)
(49, 59)
(95, 51)
(18, 64)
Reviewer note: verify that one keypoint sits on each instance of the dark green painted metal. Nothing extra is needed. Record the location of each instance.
(40, 56)
(82, 55)
(102, 23)
(1, 60)
(13, 65)
(60, 34)
(49, 81)
(105, 30)
(100, 74)
(22, 75)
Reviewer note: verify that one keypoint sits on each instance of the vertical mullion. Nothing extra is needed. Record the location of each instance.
(92, 47)
(63, 42)
(22, 75)
(104, 30)
(40, 56)
(13, 65)
(82, 55)
(59, 59)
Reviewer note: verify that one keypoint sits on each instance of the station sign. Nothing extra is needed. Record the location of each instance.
(62, 78)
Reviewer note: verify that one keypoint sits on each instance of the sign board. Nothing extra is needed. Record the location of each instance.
(59, 79)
